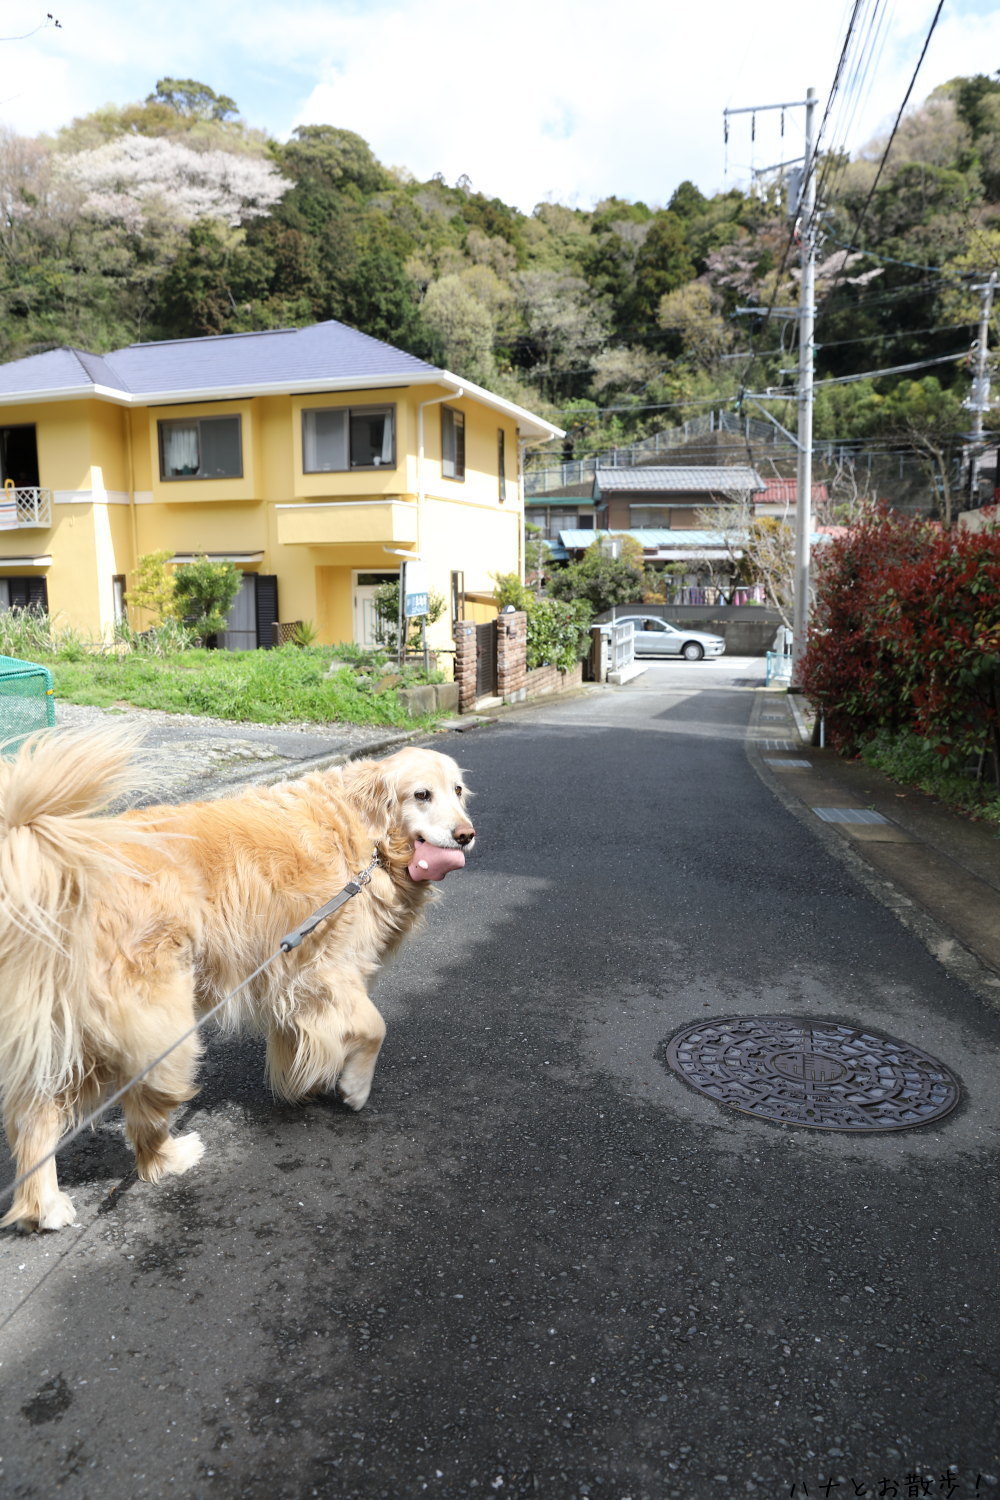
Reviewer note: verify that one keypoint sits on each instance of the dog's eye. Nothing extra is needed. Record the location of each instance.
(422, 796)
(459, 790)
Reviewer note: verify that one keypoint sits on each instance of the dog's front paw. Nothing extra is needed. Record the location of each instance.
(355, 1098)
(55, 1213)
(181, 1152)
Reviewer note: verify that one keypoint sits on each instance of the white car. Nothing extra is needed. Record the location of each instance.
(654, 637)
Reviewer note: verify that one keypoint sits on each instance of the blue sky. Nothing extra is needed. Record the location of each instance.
(563, 99)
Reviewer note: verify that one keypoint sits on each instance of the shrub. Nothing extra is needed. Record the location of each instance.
(558, 633)
(153, 588)
(906, 638)
(602, 581)
(558, 630)
(387, 614)
(204, 592)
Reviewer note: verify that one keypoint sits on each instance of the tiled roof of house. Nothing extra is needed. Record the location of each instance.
(324, 351)
(661, 536)
(649, 536)
(784, 492)
(323, 356)
(680, 479)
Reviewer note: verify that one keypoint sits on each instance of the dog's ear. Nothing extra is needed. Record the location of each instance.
(372, 793)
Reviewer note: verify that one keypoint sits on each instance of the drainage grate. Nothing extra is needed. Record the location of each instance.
(770, 760)
(849, 815)
(816, 1073)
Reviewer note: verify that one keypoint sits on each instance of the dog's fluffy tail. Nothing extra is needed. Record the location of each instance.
(56, 852)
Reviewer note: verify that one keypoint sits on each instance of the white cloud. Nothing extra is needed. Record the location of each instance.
(569, 99)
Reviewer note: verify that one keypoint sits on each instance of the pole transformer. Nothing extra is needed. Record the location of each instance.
(979, 398)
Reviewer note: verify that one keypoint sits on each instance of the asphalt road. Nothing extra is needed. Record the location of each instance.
(538, 1263)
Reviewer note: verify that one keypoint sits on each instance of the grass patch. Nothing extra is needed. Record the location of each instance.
(254, 687)
(910, 761)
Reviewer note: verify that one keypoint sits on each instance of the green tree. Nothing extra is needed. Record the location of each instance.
(380, 299)
(186, 96)
(204, 592)
(153, 587)
(662, 265)
(463, 327)
(337, 160)
(387, 614)
(601, 581)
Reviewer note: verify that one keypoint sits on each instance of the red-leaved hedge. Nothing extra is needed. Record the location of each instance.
(905, 636)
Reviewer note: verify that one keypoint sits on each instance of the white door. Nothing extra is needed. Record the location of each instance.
(365, 623)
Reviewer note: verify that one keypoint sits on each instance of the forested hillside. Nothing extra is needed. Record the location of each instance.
(175, 217)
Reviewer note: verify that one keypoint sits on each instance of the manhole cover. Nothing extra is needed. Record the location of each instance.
(816, 1073)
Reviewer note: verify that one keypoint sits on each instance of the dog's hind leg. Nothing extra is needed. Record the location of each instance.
(33, 1129)
(148, 1107)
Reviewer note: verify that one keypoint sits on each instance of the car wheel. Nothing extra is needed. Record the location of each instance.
(692, 651)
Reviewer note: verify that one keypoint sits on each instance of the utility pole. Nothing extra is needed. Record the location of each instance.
(978, 400)
(807, 318)
(803, 211)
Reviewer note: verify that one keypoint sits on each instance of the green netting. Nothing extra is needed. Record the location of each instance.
(26, 701)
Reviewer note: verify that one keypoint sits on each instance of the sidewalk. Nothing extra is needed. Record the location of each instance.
(193, 758)
(939, 871)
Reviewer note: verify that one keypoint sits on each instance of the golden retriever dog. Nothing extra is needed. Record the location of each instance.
(118, 931)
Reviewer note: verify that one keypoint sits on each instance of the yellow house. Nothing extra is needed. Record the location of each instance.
(316, 459)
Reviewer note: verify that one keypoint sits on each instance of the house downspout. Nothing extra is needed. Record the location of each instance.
(522, 535)
(130, 462)
(421, 487)
(452, 395)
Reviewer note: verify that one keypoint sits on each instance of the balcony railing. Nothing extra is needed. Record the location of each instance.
(31, 506)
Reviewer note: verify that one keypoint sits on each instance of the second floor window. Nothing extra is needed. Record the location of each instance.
(19, 456)
(452, 443)
(201, 448)
(348, 437)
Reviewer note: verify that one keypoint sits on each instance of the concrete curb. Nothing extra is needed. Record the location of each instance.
(948, 897)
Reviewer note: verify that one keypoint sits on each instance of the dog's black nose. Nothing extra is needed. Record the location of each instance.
(463, 836)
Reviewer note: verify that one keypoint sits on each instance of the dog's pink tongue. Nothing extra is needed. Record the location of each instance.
(430, 862)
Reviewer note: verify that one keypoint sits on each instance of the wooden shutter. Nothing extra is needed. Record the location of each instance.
(29, 593)
(267, 608)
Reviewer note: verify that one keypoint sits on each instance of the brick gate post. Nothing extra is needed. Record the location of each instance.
(465, 663)
(512, 643)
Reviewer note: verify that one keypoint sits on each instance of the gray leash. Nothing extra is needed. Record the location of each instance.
(294, 938)
(290, 941)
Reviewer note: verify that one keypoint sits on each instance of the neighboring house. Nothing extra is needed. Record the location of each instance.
(642, 498)
(670, 498)
(779, 496)
(313, 458)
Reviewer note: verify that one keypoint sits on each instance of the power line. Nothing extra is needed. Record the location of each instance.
(911, 264)
(892, 136)
(920, 364)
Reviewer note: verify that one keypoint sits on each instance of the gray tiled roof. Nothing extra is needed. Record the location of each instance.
(660, 537)
(681, 479)
(323, 357)
(325, 351)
